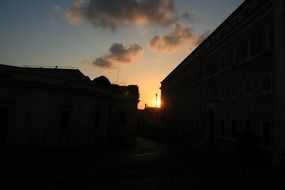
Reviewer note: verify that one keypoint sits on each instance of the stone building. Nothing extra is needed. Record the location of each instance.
(53, 106)
(229, 92)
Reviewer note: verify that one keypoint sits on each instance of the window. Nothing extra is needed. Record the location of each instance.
(271, 37)
(234, 91)
(244, 49)
(4, 123)
(207, 70)
(231, 56)
(265, 39)
(239, 52)
(223, 62)
(248, 48)
(266, 84)
(223, 93)
(248, 88)
(266, 133)
(234, 128)
(64, 119)
(247, 126)
(97, 119)
(247, 11)
(222, 128)
(214, 68)
(122, 118)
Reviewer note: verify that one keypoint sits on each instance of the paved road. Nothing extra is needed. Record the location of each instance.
(150, 165)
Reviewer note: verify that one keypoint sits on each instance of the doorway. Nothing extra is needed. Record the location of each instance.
(4, 123)
(211, 126)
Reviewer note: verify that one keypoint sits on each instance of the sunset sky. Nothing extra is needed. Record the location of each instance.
(143, 39)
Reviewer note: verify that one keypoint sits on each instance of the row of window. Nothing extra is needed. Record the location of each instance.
(246, 89)
(228, 27)
(265, 132)
(65, 119)
(237, 90)
(247, 47)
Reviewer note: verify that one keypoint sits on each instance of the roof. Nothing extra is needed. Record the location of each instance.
(212, 35)
(69, 78)
(74, 74)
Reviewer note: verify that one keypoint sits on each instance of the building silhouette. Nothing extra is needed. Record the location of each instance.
(229, 93)
(149, 122)
(62, 107)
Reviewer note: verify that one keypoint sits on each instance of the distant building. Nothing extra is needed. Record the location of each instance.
(43, 106)
(149, 122)
(232, 86)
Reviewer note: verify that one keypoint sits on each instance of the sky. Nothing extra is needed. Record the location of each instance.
(130, 42)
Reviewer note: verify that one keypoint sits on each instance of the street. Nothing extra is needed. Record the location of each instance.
(150, 165)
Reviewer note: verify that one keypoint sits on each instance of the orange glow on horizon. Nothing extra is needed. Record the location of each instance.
(152, 102)
(158, 103)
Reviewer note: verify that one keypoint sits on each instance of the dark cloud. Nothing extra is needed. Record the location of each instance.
(180, 37)
(118, 53)
(102, 62)
(174, 40)
(188, 17)
(111, 14)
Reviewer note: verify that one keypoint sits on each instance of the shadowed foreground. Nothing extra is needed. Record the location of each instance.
(150, 165)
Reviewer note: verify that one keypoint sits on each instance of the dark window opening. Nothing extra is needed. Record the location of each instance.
(267, 83)
(223, 61)
(231, 57)
(264, 40)
(223, 93)
(271, 37)
(211, 124)
(244, 50)
(121, 140)
(248, 126)
(234, 91)
(214, 68)
(234, 129)
(4, 123)
(248, 88)
(97, 120)
(122, 118)
(266, 133)
(64, 119)
(222, 128)
(263, 43)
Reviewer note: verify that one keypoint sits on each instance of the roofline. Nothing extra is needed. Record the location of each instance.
(40, 67)
(243, 4)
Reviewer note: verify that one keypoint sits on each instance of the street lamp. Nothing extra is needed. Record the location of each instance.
(156, 100)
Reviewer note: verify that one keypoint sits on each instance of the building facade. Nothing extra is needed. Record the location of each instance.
(44, 106)
(229, 92)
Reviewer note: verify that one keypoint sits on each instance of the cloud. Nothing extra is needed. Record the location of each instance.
(181, 36)
(75, 13)
(111, 14)
(118, 53)
(103, 62)
(188, 16)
